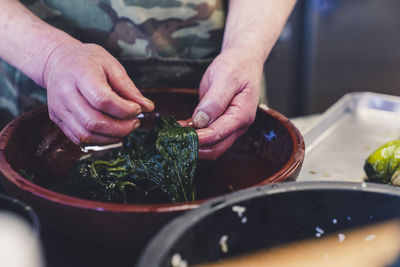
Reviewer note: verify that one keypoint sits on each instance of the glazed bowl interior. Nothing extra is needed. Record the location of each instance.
(271, 216)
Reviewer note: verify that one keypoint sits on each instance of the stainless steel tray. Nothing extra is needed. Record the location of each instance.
(339, 141)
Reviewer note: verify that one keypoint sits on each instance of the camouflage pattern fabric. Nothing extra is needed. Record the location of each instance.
(130, 29)
(161, 43)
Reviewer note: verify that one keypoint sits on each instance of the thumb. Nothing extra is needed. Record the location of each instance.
(214, 101)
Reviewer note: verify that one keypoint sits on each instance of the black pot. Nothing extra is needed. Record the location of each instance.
(274, 215)
(21, 210)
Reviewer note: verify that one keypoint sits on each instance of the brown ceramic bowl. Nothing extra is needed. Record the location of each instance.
(271, 151)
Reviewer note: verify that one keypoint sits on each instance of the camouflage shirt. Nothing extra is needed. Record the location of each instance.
(161, 43)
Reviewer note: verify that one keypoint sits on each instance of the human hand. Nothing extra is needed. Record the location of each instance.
(229, 94)
(90, 96)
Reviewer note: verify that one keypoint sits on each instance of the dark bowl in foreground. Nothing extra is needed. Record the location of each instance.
(271, 151)
(21, 210)
(277, 216)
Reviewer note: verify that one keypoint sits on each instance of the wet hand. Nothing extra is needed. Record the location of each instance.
(229, 95)
(90, 96)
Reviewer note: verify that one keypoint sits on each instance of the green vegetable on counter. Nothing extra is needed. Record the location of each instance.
(383, 165)
(151, 167)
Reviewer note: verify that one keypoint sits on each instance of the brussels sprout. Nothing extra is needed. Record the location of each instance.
(383, 165)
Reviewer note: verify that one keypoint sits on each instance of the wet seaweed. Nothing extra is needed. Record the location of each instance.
(151, 167)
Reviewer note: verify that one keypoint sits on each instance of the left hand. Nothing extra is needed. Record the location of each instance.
(229, 94)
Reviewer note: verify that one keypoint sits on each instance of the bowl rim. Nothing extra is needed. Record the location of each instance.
(173, 230)
(34, 224)
(292, 165)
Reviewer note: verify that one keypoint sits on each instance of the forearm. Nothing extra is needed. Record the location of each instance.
(255, 25)
(27, 41)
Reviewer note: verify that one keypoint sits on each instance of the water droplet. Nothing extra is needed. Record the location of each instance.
(370, 237)
(319, 230)
(244, 220)
(348, 218)
(223, 243)
(239, 210)
(334, 221)
(176, 260)
(341, 237)
(271, 135)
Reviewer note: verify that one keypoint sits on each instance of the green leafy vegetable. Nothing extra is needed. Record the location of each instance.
(383, 165)
(28, 176)
(159, 166)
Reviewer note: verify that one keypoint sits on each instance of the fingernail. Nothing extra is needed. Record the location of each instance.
(149, 101)
(201, 119)
(136, 109)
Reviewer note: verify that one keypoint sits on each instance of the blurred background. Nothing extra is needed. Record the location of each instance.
(332, 47)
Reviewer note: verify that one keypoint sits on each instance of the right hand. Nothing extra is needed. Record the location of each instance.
(90, 96)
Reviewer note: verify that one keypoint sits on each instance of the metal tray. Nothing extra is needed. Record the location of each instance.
(339, 141)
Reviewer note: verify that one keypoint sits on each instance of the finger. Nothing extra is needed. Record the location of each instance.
(65, 129)
(78, 135)
(233, 120)
(186, 123)
(215, 100)
(96, 122)
(96, 90)
(216, 150)
(124, 87)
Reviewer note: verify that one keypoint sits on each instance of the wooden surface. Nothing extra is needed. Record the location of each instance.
(371, 246)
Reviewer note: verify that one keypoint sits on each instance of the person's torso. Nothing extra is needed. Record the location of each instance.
(161, 43)
(168, 29)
